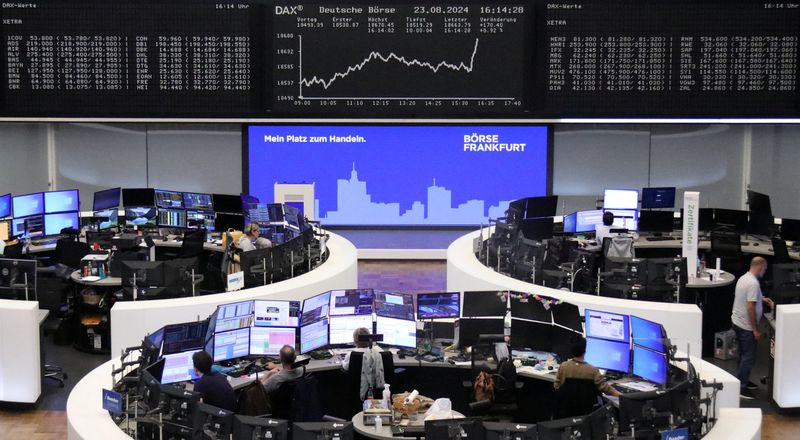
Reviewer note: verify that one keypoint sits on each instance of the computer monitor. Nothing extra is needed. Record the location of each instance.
(109, 219)
(142, 273)
(61, 201)
(231, 345)
(267, 341)
(315, 308)
(509, 431)
(223, 222)
(342, 327)
(227, 203)
(314, 335)
(587, 221)
(621, 199)
(150, 385)
(467, 331)
(259, 428)
(54, 223)
(28, 204)
(759, 203)
(396, 332)
(625, 218)
(438, 305)
(351, 302)
(537, 229)
(178, 272)
(731, 218)
(454, 429)
(322, 430)
(15, 274)
(567, 315)
(525, 307)
(538, 207)
(234, 316)
(200, 220)
(571, 223)
(760, 224)
(607, 325)
(248, 201)
(106, 199)
(608, 355)
(140, 217)
(179, 367)
(648, 334)
(184, 337)
(169, 199)
(275, 213)
(790, 229)
(656, 221)
(32, 226)
(171, 218)
(138, 197)
(394, 305)
(650, 365)
(658, 198)
(705, 219)
(269, 313)
(5, 205)
(292, 216)
(529, 335)
(198, 201)
(568, 428)
(214, 422)
(490, 303)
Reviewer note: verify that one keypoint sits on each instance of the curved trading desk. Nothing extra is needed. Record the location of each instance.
(132, 319)
(86, 420)
(465, 272)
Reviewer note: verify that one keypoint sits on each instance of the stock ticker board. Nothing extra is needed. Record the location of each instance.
(486, 59)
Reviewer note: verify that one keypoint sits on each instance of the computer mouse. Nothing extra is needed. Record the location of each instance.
(550, 367)
(401, 355)
(755, 244)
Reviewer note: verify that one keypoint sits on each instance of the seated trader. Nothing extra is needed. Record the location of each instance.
(214, 387)
(252, 239)
(372, 374)
(578, 368)
(283, 373)
(604, 230)
(361, 347)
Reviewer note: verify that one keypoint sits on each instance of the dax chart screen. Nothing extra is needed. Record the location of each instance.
(406, 58)
(402, 175)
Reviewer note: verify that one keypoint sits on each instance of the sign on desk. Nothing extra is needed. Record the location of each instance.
(676, 434)
(235, 281)
(112, 401)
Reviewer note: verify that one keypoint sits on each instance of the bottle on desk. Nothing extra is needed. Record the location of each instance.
(387, 396)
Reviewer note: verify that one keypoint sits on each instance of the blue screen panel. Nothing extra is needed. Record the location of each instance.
(608, 355)
(649, 365)
(402, 175)
(61, 201)
(5, 206)
(29, 204)
(54, 223)
(648, 334)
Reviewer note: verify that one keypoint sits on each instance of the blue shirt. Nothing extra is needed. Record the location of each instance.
(216, 391)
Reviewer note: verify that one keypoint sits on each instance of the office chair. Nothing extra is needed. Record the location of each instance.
(56, 374)
(576, 397)
(727, 246)
(484, 358)
(780, 251)
(354, 368)
(297, 400)
(192, 244)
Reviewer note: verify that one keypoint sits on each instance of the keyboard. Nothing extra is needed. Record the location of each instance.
(660, 238)
(622, 389)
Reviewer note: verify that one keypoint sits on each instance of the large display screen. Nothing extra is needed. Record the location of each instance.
(402, 175)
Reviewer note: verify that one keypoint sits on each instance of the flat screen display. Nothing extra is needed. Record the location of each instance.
(234, 316)
(198, 201)
(342, 327)
(142, 216)
(106, 199)
(231, 345)
(608, 355)
(169, 199)
(268, 341)
(402, 174)
(650, 365)
(397, 332)
(438, 305)
(5, 205)
(315, 308)
(351, 302)
(394, 305)
(54, 223)
(607, 325)
(314, 336)
(28, 204)
(61, 201)
(179, 367)
(276, 313)
(138, 197)
(621, 199)
(648, 334)
(658, 198)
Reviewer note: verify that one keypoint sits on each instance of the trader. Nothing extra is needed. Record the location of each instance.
(283, 373)
(361, 346)
(578, 368)
(252, 239)
(747, 312)
(604, 230)
(372, 373)
(214, 387)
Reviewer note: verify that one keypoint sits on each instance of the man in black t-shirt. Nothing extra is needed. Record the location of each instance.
(214, 387)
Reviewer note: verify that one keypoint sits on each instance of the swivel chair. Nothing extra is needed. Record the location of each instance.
(576, 397)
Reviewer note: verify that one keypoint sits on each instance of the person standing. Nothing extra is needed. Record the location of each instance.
(747, 311)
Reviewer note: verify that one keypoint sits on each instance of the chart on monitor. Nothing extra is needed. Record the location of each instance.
(478, 61)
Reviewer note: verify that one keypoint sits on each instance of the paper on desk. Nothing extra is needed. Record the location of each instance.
(640, 386)
(91, 278)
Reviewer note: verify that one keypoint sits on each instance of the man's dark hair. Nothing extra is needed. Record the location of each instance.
(202, 362)
(578, 346)
(288, 355)
(608, 218)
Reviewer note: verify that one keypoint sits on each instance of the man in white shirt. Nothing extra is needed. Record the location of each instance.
(602, 231)
(747, 312)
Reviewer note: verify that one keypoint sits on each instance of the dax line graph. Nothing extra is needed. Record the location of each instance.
(391, 57)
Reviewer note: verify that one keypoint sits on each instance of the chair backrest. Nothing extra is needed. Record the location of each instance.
(253, 401)
(576, 397)
(13, 250)
(483, 358)
(618, 248)
(354, 399)
(192, 245)
(297, 400)
(780, 251)
(70, 252)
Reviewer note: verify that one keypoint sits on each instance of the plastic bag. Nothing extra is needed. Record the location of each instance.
(442, 409)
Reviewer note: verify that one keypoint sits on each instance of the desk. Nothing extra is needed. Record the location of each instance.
(105, 282)
(369, 431)
(704, 282)
(208, 246)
